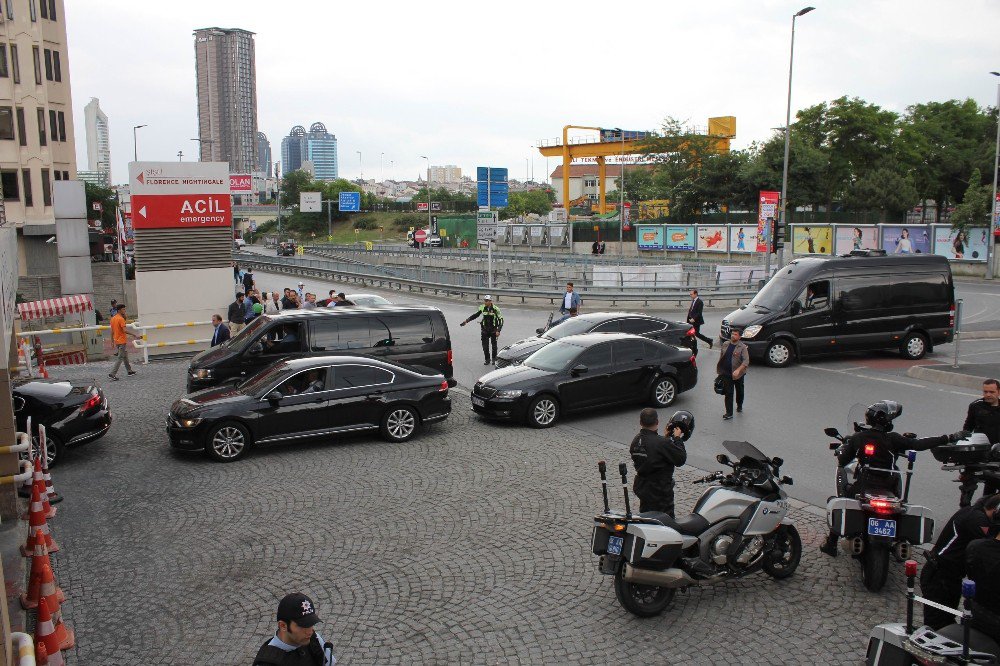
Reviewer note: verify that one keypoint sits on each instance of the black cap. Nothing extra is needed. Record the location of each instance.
(298, 608)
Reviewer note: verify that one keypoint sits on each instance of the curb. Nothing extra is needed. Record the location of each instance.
(979, 335)
(944, 377)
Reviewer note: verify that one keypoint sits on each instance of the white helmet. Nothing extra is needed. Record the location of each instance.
(487, 297)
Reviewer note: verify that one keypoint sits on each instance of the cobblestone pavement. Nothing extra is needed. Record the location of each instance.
(469, 544)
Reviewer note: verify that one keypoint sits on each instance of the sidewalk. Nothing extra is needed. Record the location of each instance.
(966, 375)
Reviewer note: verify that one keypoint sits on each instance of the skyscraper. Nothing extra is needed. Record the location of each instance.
(98, 141)
(263, 154)
(227, 97)
(291, 149)
(316, 146)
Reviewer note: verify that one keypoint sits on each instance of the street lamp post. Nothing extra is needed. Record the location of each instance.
(135, 146)
(990, 238)
(788, 135)
(381, 174)
(201, 141)
(621, 200)
(361, 165)
(418, 245)
(277, 177)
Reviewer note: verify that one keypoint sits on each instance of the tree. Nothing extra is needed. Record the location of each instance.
(522, 203)
(109, 203)
(885, 190)
(292, 184)
(974, 211)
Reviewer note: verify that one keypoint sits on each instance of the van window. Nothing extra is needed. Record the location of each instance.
(325, 335)
(928, 290)
(355, 333)
(816, 296)
(407, 330)
(868, 292)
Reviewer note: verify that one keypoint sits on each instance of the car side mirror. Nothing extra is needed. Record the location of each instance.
(723, 459)
(273, 396)
(777, 462)
(796, 307)
(539, 331)
(831, 432)
(579, 369)
(256, 349)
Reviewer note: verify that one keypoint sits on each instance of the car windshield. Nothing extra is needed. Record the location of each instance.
(553, 357)
(263, 379)
(777, 294)
(249, 332)
(572, 326)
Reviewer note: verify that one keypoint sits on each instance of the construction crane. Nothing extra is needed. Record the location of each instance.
(620, 142)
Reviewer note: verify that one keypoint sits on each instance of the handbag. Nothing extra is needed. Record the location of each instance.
(720, 385)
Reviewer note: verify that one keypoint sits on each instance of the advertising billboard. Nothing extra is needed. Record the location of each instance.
(713, 238)
(969, 245)
(856, 238)
(680, 238)
(240, 183)
(767, 212)
(914, 239)
(649, 237)
(742, 238)
(812, 240)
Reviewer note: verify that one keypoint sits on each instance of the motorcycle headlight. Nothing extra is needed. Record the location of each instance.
(751, 331)
(189, 423)
(201, 373)
(509, 394)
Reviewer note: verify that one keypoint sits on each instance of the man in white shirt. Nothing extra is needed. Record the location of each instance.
(570, 301)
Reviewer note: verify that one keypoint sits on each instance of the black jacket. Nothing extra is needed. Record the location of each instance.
(888, 447)
(221, 335)
(982, 564)
(983, 418)
(655, 458)
(307, 655)
(968, 524)
(236, 312)
(695, 312)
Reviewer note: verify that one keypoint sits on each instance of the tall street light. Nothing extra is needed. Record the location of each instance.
(788, 134)
(621, 201)
(428, 192)
(990, 239)
(361, 164)
(135, 147)
(200, 142)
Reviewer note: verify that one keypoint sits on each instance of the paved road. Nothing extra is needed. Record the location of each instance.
(786, 410)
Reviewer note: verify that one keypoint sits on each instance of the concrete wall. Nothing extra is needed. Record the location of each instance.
(173, 297)
(109, 282)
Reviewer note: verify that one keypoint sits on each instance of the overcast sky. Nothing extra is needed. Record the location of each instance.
(473, 84)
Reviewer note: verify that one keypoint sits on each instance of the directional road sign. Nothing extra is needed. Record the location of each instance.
(350, 202)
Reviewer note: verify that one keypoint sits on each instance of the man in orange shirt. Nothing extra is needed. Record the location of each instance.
(120, 337)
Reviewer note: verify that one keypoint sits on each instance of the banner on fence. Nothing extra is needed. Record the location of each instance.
(967, 245)
(649, 237)
(906, 240)
(812, 240)
(680, 238)
(855, 238)
(742, 239)
(713, 238)
(767, 213)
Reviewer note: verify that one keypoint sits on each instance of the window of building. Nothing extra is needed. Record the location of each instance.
(6, 123)
(53, 126)
(62, 125)
(8, 181)
(41, 126)
(22, 131)
(44, 8)
(56, 66)
(33, 11)
(48, 64)
(15, 64)
(37, 57)
(65, 175)
(10, 17)
(52, 9)
(46, 188)
(4, 72)
(58, 175)
(26, 177)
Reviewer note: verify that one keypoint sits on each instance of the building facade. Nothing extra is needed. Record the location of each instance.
(98, 141)
(37, 145)
(291, 150)
(317, 147)
(263, 155)
(227, 97)
(446, 174)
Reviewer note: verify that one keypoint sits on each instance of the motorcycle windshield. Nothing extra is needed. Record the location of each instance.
(744, 450)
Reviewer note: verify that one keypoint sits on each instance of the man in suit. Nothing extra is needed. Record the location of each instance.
(695, 317)
(221, 333)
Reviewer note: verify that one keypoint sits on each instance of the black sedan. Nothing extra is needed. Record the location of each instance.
(582, 372)
(307, 398)
(72, 412)
(672, 332)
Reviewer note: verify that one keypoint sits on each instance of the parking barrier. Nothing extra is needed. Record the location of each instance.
(23, 476)
(24, 647)
(50, 491)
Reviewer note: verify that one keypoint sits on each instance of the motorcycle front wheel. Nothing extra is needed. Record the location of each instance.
(641, 600)
(783, 558)
(875, 566)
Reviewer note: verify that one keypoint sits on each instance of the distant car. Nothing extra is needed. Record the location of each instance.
(583, 372)
(72, 412)
(239, 243)
(655, 328)
(434, 241)
(368, 300)
(286, 249)
(314, 397)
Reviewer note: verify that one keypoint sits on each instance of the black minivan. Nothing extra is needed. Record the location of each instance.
(862, 301)
(408, 334)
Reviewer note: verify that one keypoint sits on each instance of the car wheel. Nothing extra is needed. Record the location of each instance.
(543, 412)
(227, 442)
(780, 353)
(914, 346)
(664, 392)
(400, 423)
(55, 448)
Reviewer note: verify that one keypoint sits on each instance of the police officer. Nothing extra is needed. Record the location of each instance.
(655, 458)
(489, 327)
(941, 579)
(886, 446)
(982, 563)
(295, 642)
(984, 417)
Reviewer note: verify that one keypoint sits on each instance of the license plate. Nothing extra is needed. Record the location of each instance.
(478, 402)
(615, 545)
(881, 527)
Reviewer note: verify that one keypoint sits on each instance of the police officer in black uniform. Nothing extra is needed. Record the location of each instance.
(492, 322)
(296, 643)
(886, 447)
(655, 458)
(941, 579)
(984, 417)
(982, 564)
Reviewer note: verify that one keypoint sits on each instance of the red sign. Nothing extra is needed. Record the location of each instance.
(420, 235)
(767, 214)
(181, 210)
(240, 182)
(422, 206)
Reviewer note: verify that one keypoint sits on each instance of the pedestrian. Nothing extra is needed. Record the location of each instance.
(221, 332)
(570, 300)
(275, 302)
(236, 272)
(248, 281)
(310, 302)
(734, 359)
(296, 641)
(248, 308)
(489, 327)
(114, 308)
(982, 564)
(696, 319)
(655, 458)
(120, 337)
(596, 247)
(286, 300)
(342, 300)
(293, 299)
(301, 291)
(237, 313)
(941, 579)
(327, 301)
(984, 417)
(569, 315)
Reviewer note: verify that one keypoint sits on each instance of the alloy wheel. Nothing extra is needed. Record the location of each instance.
(401, 423)
(665, 392)
(545, 411)
(228, 442)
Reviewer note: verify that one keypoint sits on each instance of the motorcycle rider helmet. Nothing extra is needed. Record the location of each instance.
(684, 420)
(881, 414)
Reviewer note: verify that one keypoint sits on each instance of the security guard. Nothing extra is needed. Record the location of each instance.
(655, 458)
(982, 562)
(984, 417)
(296, 643)
(490, 325)
(941, 579)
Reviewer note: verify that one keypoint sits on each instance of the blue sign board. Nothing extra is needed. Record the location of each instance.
(350, 202)
(491, 174)
(497, 194)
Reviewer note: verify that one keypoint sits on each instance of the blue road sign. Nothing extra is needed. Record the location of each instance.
(497, 194)
(350, 202)
(495, 174)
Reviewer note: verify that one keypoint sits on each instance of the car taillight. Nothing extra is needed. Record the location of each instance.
(690, 332)
(869, 449)
(92, 402)
(951, 316)
(451, 357)
(444, 386)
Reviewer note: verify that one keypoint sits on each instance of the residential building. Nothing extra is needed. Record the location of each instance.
(446, 174)
(227, 97)
(584, 180)
(263, 155)
(317, 146)
(37, 145)
(98, 141)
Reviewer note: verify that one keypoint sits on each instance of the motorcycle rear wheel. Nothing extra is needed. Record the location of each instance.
(790, 545)
(641, 600)
(875, 566)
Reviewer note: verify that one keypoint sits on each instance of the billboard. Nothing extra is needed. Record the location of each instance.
(680, 238)
(310, 202)
(180, 195)
(766, 212)
(742, 238)
(653, 209)
(968, 245)
(914, 239)
(649, 237)
(812, 240)
(240, 183)
(855, 238)
(713, 238)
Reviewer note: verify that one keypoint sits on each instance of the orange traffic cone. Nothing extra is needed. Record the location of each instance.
(42, 582)
(45, 633)
(42, 655)
(50, 491)
(38, 529)
(64, 635)
(38, 480)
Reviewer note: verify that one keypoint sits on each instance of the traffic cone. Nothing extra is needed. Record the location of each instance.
(41, 654)
(51, 494)
(38, 481)
(45, 634)
(38, 528)
(41, 582)
(63, 634)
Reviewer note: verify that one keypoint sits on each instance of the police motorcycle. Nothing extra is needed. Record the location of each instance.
(975, 459)
(739, 526)
(903, 644)
(876, 520)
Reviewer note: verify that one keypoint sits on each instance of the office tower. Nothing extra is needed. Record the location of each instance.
(98, 142)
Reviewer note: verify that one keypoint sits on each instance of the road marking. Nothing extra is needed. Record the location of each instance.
(883, 379)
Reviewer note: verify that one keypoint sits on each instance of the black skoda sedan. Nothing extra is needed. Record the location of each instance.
(583, 372)
(314, 397)
(72, 412)
(663, 330)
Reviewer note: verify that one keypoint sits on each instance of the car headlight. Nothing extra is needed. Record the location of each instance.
(507, 395)
(188, 423)
(201, 373)
(751, 331)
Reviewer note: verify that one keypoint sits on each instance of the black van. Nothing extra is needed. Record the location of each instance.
(857, 302)
(410, 334)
